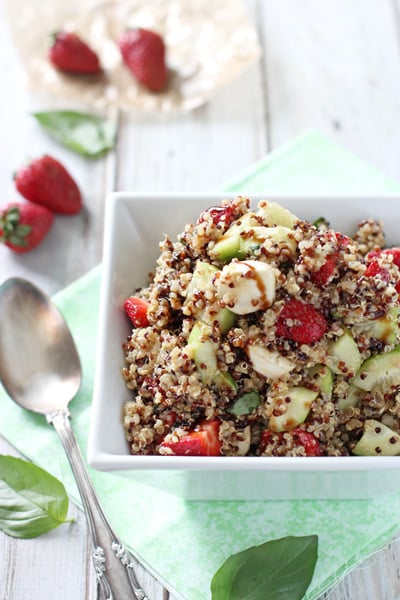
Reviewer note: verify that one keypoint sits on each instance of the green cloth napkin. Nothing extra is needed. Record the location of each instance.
(183, 543)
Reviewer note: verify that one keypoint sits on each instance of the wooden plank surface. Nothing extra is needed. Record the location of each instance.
(331, 65)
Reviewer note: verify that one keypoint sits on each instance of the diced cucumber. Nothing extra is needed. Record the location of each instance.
(252, 240)
(268, 363)
(377, 440)
(223, 379)
(274, 214)
(385, 328)
(224, 317)
(229, 245)
(322, 376)
(343, 356)
(203, 350)
(200, 283)
(258, 236)
(246, 235)
(297, 403)
(352, 398)
(282, 234)
(381, 370)
(202, 275)
(204, 353)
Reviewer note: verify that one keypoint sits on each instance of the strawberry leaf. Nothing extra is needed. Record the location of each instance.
(277, 569)
(32, 501)
(83, 133)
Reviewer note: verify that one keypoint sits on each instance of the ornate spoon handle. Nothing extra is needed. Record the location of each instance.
(113, 564)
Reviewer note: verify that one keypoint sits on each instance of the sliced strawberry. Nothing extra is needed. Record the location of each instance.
(221, 215)
(202, 441)
(302, 438)
(266, 439)
(308, 440)
(326, 272)
(136, 309)
(395, 252)
(375, 269)
(300, 322)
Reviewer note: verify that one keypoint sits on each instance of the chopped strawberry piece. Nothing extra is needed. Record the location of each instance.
(326, 272)
(300, 322)
(308, 440)
(342, 240)
(395, 252)
(136, 309)
(202, 441)
(266, 439)
(302, 438)
(374, 268)
(221, 215)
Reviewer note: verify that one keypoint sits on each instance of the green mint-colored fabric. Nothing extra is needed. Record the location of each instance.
(183, 542)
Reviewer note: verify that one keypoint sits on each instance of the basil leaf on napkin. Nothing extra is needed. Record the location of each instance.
(32, 501)
(277, 569)
(83, 133)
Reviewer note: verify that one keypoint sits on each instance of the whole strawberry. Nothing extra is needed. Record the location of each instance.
(71, 54)
(23, 225)
(143, 52)
(46, 181)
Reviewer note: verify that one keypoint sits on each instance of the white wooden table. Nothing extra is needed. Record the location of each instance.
(332, 65)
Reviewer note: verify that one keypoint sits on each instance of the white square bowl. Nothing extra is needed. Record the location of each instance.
(134, 225)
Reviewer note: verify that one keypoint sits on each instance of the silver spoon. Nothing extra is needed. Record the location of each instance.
(41, 371)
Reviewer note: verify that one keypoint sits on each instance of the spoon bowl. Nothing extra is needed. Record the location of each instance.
(41, 371)
(39, 363)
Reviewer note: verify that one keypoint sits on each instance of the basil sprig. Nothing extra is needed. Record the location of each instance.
(83, 133)
(281, 568)
(32, 501)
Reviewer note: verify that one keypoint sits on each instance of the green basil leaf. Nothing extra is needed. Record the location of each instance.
(280, 569)
(83, 133)
(32, 501)
(245, 404)
(321, 223)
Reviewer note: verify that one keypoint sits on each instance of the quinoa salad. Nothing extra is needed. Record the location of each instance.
(262, 334)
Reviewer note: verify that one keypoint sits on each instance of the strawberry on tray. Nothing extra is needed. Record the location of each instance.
(71, 54)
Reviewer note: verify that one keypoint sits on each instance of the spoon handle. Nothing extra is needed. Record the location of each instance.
(114, 565)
